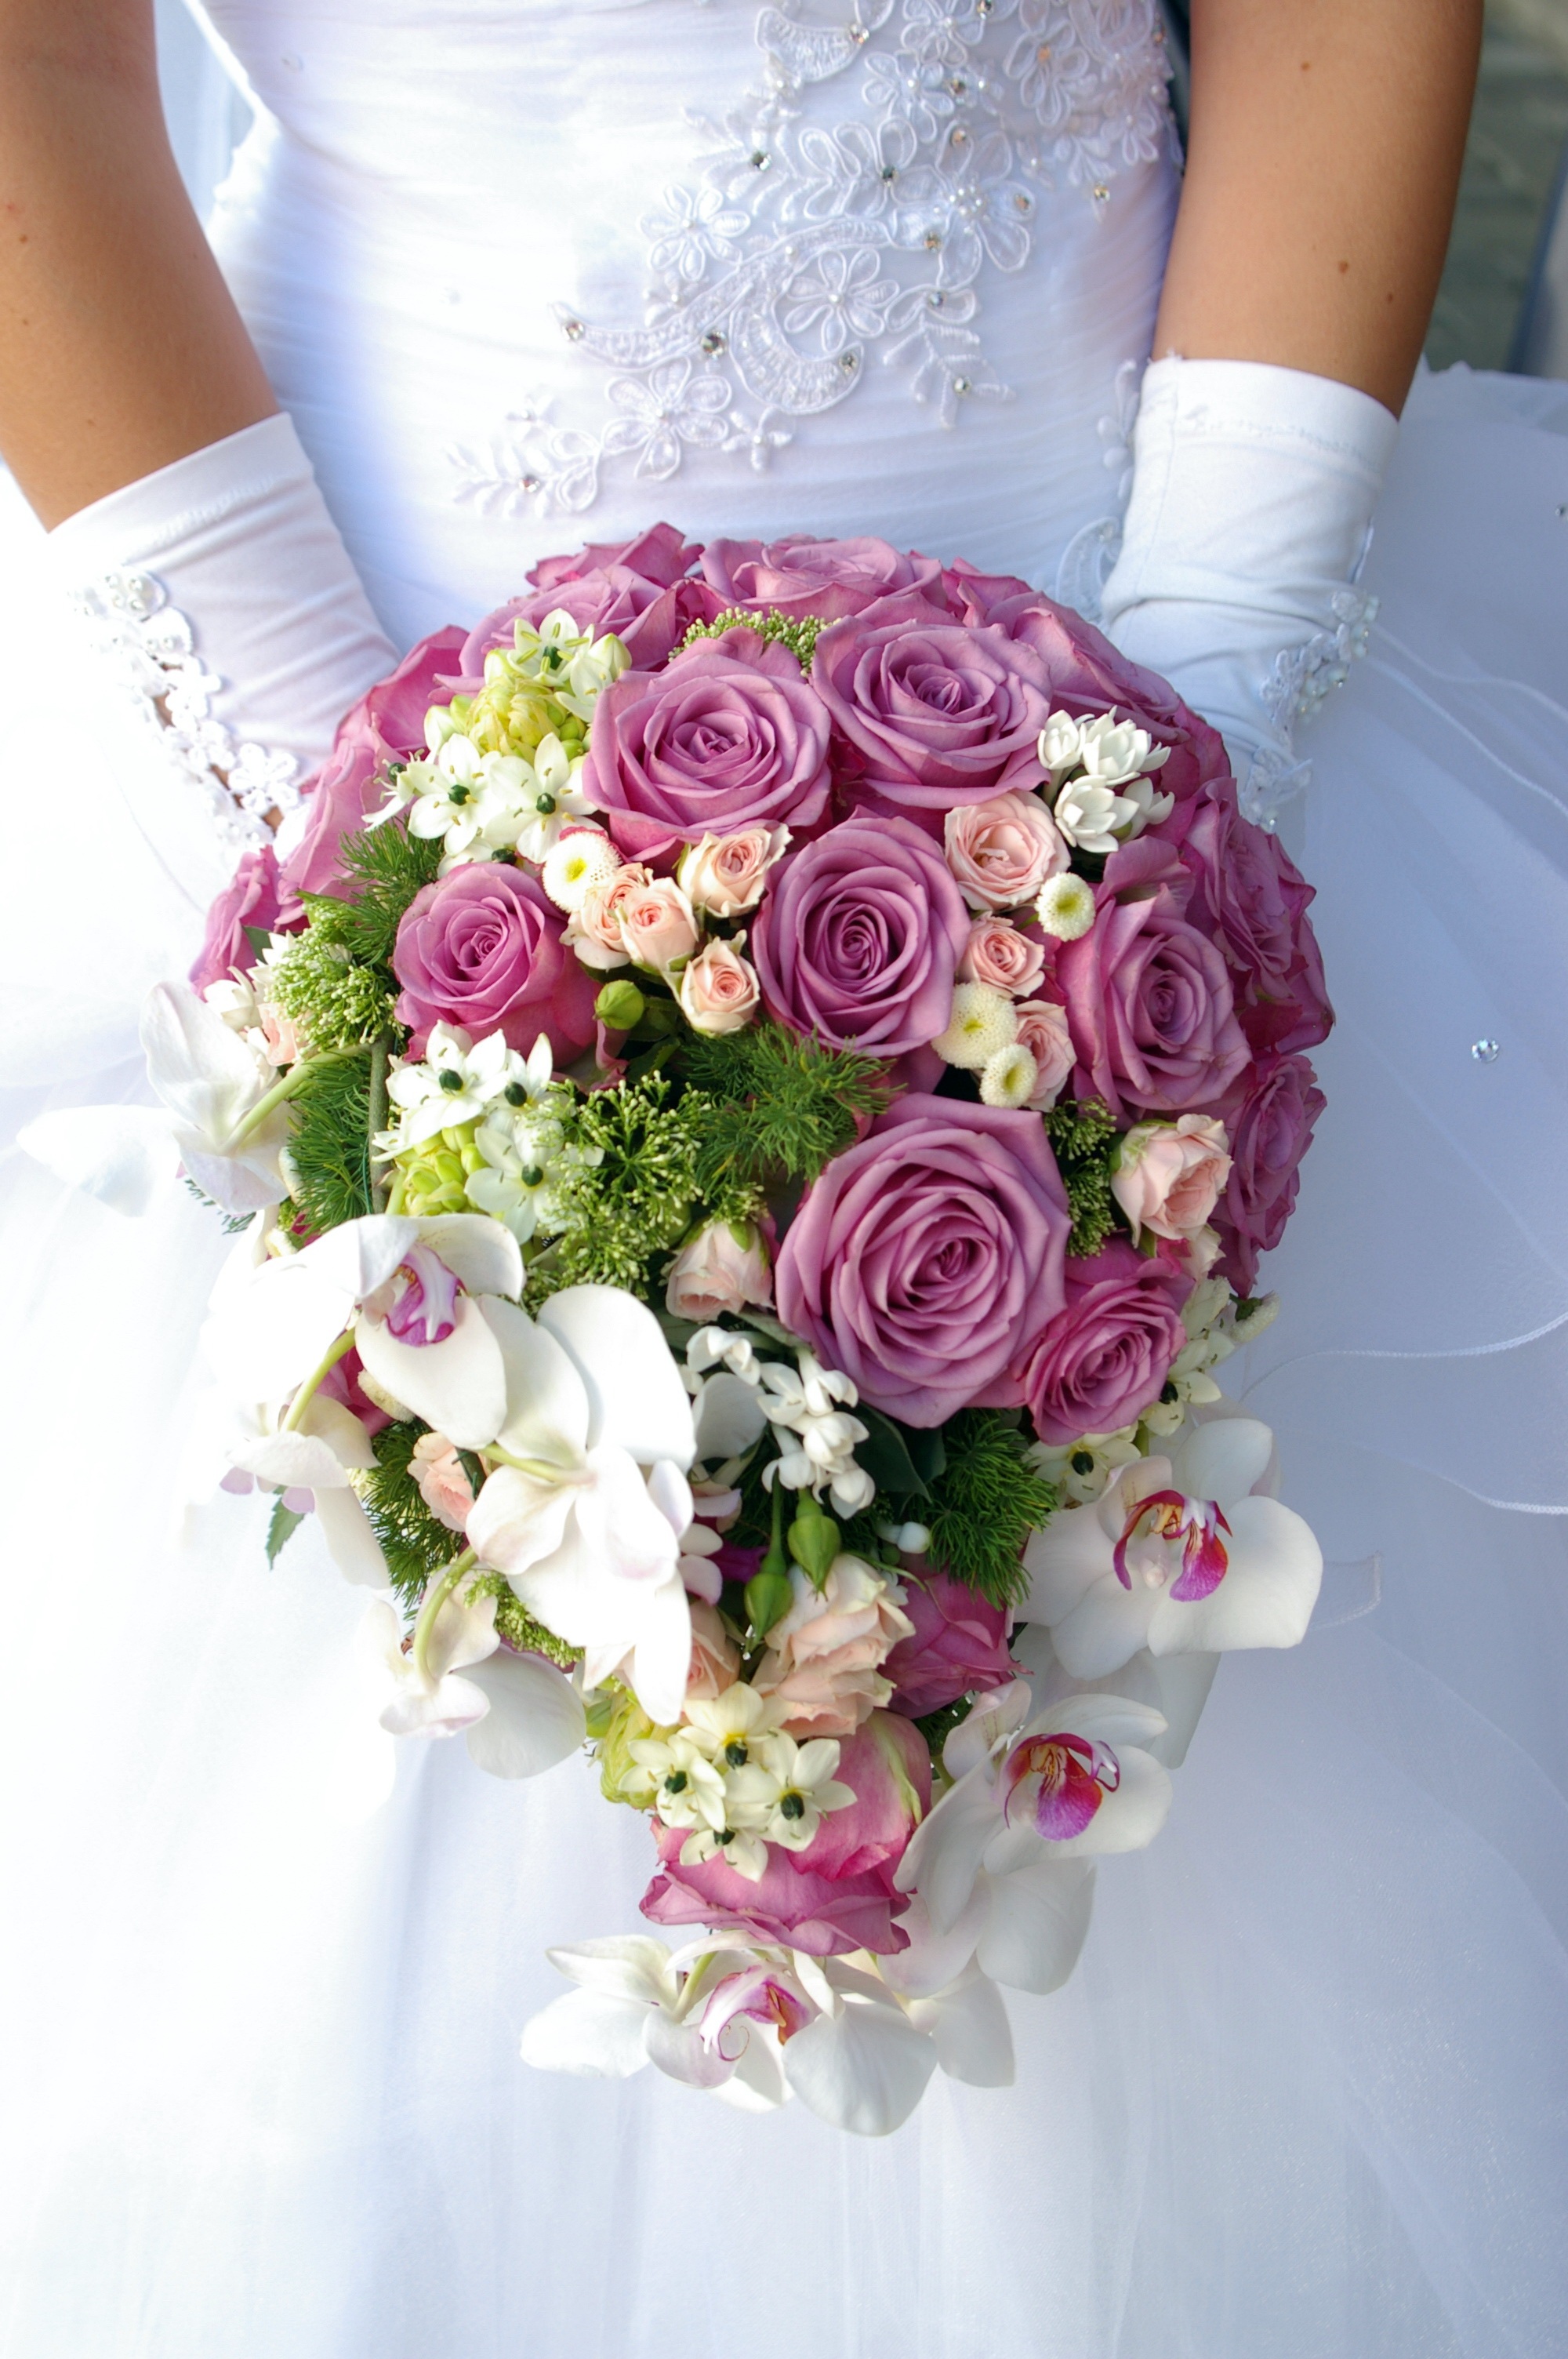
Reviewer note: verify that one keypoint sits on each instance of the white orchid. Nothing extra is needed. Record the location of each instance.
(1000, 1867)
(223, 1117)
(406, 1294)
(519, 1714)
(588, 1501)
(1179, 1554)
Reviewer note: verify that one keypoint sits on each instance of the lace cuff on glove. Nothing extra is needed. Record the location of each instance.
(1250, 517)
(221, 592)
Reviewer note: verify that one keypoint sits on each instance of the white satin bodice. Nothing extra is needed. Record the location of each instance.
(528, 273)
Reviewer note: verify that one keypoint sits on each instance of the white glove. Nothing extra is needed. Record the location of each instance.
(1251, 517)
(221, 590)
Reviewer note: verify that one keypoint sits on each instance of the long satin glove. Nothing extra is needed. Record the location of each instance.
(220, 591)
(1252, 497)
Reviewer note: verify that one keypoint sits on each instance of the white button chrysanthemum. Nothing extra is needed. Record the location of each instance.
(575, 864)
(1011, 1078)
(982, 1022)
(1065, 908)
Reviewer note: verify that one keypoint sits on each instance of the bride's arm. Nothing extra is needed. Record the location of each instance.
(120, 346)
(1326, 140)
(1323, 160)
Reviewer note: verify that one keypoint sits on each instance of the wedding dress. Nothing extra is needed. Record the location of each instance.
(1306, 2095)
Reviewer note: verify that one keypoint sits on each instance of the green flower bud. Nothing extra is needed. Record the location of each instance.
(814, 1540)
(769, 1597)
(620, 1005)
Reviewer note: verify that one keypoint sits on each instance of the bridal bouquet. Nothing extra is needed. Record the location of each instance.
(754, 1108)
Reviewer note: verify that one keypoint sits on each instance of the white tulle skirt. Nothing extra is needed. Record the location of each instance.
(1306, 2096)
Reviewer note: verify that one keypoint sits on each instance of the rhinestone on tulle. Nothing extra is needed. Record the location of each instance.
(1485, 1052)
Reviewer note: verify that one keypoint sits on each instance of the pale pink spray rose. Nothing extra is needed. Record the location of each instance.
(824, 1658)
(1169, 1175)
(714, 1661)
(723, 1267)
(593, 930)
(720, 990)
(658, 928)
(1004, 850)
(998, 954)
(1043, 1030)
(444, 1486)
(724, 876)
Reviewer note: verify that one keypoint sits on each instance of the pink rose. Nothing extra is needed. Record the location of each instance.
(836, 1895)
(1043, 1030)
(482, 947)
(724, 874)
(998, 954)
(727, 736)
(385, 725)
(1253, 900)
(637, 589)
(720, 990)
(927, 713)
(1002, 852)
(1149, 1004)
(1169, 1175)
(800, 576)
(825, 1657)
(593, 930)
(714, 1658)
(251, 899)
(659, 556)
(1104, 1359)
(1271, 1115)
(723, 1269)
(444, 1486)
(657, 926)
(958, 1645)
(926, 1258)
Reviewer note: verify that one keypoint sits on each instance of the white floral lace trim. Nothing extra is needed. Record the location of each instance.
(1298, 685)
(151, 646)
(1090, 555)
(808, 251)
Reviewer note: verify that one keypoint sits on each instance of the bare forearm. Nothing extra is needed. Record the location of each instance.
(120, 347)
(1323, 158)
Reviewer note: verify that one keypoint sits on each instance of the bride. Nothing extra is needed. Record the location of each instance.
(521, 274)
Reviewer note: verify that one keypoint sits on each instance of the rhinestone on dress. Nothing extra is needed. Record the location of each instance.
(1485, 1052)
(759, 159)
(932, 240)
(714, 343)
(1043, 53)
(963, 384)
(573, 330)
(848, 362)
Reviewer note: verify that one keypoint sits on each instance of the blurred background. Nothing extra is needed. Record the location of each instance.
(1504, 300)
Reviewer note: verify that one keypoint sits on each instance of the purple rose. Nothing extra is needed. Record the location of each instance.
(959, 1645)
(727, 736)
(860, 937)
(1104, 1358)
(658, 556)
(836, 1895)
(250, 899)
(925, 1260)
(650, 621)
(927, 712)
(1253, 900)
(385, 725)
(1270, 1116)
(803, 576)
(1150, 1009)
(482, 949)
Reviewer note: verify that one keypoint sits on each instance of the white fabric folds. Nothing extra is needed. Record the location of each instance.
(1252, 497)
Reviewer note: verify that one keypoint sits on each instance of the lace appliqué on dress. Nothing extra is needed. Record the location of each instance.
(1298, 685)
(809, 252)
(1088, 559)
(151, 646)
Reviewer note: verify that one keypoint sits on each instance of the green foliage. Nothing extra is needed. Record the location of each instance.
(902, 1459)
(282, 1525)
(383, 867)
(329, 1145)
(782, 1104)
(414, 1543)
(985, 1502)
(1083, 1137)
(336, 1003)
(518, 1627)
(637, 1202)
(799, 636)
(937, 1726)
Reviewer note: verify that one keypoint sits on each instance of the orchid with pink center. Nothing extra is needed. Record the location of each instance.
(519, 1714)
(588, 1505)
(1011, 1892)
(1178, 1555)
